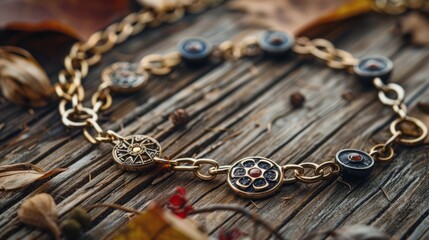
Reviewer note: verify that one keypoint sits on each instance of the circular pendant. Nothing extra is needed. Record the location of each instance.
(195, 51)
(372, 67)
(125, 77)
(136, 152)
(354, 163)
(255, 177)
(276, 42)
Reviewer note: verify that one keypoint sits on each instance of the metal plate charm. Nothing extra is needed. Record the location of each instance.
(136, 152)
(125, 77)
(255, 177)
(354, 163)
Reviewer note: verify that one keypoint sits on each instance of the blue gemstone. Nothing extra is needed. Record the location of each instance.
(239, 172)
(249, 164)
(270, 175)
(245, 181)
(264, 165)
(259, 182)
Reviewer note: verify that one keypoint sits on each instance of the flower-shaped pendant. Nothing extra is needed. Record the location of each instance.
(255, 177)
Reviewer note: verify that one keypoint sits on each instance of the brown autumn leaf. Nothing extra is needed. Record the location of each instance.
(415, 27)
(22, 80)
(40, 211)
(75, 18)
(297, 16)
(19, 175)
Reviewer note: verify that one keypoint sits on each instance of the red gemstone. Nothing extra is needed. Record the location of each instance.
(255, 172)
(355, 157)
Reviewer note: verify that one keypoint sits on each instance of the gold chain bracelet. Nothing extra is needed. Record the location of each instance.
(251, 177)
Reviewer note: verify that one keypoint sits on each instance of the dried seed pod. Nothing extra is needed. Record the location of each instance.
(179, 117)
(348, 96)
(71, 229)
(81, 216)
(297, 99)
(40, 211)
(22, 80)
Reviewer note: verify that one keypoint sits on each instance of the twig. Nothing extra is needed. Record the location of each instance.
(254, 204)
(232, 135)
(275, 118)
(243, 211)
(113, 205)
(217, 129)
(385, 193)
(286, 198)
(346, 183)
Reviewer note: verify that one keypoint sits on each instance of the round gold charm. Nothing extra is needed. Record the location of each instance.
(136, 152)
(125, 77)
(255, 177)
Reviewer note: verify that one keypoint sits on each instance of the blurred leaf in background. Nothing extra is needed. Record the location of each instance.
(298, 16)
(36, 24)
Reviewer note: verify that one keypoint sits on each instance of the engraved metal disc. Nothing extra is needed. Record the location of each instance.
(125, 77)
(136, 152)
(255, 177)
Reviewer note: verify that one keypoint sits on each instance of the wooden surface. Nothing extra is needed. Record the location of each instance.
(243, 97)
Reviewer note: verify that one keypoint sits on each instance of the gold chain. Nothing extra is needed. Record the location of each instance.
(85, 54)
(248, 176)
(325, 51)
(308, 172)
(385, 151)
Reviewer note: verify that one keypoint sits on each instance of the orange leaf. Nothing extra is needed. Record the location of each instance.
(297, 16)
(72, 17)
(20, 175)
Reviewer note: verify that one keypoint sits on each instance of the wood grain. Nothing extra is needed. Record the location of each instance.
(244, 98)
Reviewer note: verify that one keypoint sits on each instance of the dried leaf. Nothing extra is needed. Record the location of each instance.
(66, 16)
(20, 175)
(297, 16)
(156, 223)
(40, 211)
(415, 27)
(22, 80)
(358, 232)
(179, 203)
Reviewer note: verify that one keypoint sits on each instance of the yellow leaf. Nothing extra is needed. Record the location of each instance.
(156, 223)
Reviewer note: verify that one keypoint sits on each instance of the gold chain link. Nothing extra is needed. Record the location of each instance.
(196, 165)
(308, 172)
(325, 51)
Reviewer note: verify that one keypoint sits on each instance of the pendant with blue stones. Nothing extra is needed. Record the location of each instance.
(276, 42)
(125, 77)
(354, 163)
(372, 67)
(195, 50)
(255, 177)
